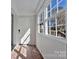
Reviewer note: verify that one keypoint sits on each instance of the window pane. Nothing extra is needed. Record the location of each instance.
(49, 7)
(41, 17)
(63, 4)
(61, 31)
(48, 10)
(41, 27)
(54, 12)
(41, 24)
(51, 26)
(48, 14)
(61, 19)
(51, 23)
(59, 0)
(53, 3)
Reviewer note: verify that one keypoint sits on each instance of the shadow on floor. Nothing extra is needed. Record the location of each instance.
(26, 52)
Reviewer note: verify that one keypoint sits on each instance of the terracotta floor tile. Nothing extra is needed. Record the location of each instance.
(25, 52)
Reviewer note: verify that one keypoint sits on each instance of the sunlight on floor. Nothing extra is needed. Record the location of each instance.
(26, 38)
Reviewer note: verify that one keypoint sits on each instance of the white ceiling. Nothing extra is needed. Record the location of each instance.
(25, 6)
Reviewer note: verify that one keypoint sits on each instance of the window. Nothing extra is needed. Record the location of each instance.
(61, 19)
(41, 23)
(48, 10)
(53, 19)
(53, 3)
(51, 26)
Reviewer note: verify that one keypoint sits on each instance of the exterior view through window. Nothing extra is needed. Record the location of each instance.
(52, 20)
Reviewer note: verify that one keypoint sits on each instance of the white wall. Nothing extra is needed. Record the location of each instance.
(51, 47)
(24, 23)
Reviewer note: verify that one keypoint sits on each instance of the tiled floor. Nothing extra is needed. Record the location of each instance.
(25, 52)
